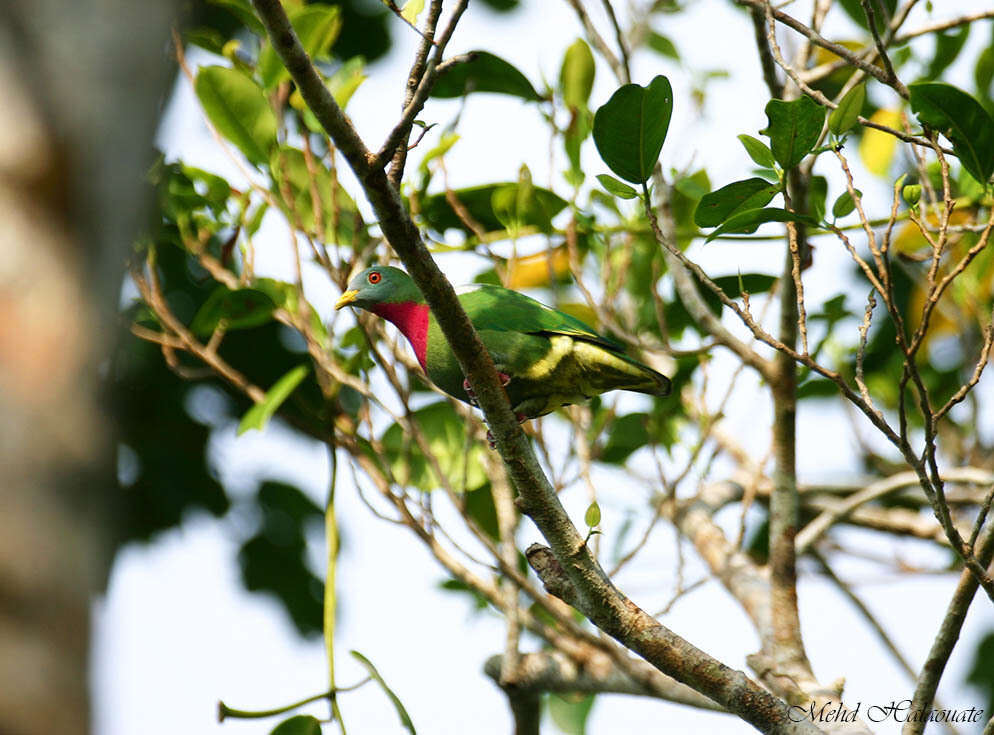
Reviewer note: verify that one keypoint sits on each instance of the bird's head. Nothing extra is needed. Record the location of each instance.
(380, 284)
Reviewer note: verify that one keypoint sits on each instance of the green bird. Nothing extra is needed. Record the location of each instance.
(545, 358)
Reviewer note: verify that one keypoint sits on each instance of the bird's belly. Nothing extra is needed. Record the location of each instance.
(555, 380)
(546, 371)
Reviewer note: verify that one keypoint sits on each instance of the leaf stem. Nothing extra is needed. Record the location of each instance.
(224, 711)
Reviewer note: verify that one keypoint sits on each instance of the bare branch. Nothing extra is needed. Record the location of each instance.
(620, 38)
(871, 21)
(554, 672)
(818, 40)
(597, 40)
(946, 638)
(816, 529)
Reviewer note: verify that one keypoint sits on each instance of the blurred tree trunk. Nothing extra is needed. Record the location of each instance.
(80, 84)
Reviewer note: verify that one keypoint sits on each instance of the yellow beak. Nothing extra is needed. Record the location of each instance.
(346, 298)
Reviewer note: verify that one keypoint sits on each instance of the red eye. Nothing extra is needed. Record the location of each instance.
(374, 277)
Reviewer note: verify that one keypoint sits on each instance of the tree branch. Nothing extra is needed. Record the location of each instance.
(817, 528)
(654, 642)
(604, 604)
(553, 671)
(816, 38)
(948, 635)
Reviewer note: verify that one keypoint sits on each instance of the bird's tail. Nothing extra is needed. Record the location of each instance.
(656, 384)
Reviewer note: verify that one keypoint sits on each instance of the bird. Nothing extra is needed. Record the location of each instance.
(544, 357)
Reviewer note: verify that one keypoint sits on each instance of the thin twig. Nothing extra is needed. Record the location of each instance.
(816, 529)
(871, 21)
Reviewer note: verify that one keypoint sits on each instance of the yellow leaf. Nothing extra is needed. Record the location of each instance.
(877, 148)
(530, 271)
(967, 301)
(297, 101)
(909, 238)
(411, 10)
(581, 311)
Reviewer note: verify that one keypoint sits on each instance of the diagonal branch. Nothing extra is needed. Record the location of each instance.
(948, 635)
(603, 603)
(818, 40)
(871, 21)
(817, 528)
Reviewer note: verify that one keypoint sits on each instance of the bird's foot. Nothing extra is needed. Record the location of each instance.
(504, 380)
(492, 441)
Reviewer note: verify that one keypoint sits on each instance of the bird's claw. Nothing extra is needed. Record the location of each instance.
(471, 394)
(492, 440)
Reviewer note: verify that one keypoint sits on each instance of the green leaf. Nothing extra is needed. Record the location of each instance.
(817, 194)
(962, 119)
(238, 108)
(885, 11)
(242, 308)
(317, 26)
(287, 296)
(844, 117)
(617, 188)
(948, 44)
(346, 80)
(749, 221)
(844, 204)
(454, 585)
(758, 151)
(695, 186)
(969, 187)
(258, 416)
(578, 130)
(216, 189)
(735, 286)
(511, 201)
(188, 190)
(411, 10)
(983, 74)
(242, 9)
(207, 38)
(484, 72)
(570, 712)
(981, 674)
(629, 129)
(294, 183)
(628, 433)
(298, 725)
(794, 128)
(254, 221)
(445, 432)
(662, 45)
(445, 142)
(405, 719)
(576, 77)
(478, 202)
(479, 506)
(718, 206)
(516, 205)
(593, 515)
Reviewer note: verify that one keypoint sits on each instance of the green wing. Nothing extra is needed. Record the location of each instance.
(500, 309)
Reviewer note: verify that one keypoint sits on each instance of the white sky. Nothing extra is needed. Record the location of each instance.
(176, 632)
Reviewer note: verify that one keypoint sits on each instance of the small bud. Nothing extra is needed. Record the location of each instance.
(912, 193)
(297, 101)
(231, 48)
